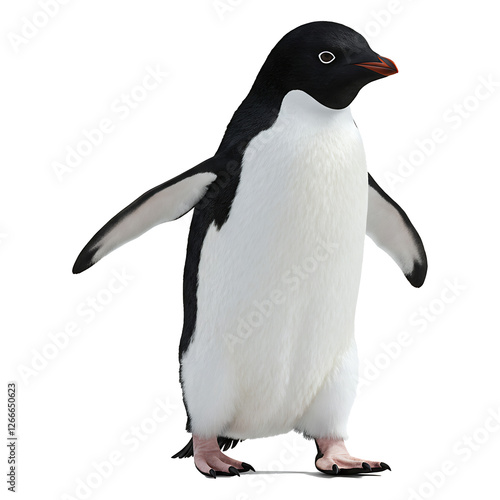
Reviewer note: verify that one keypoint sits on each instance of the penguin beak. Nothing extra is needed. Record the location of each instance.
(384, 66)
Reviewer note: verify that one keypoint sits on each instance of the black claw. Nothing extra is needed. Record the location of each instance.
(366, 468)
(233, 471)
(247, 467)
(207, 474)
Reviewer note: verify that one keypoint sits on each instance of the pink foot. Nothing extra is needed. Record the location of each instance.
(333, 458)
(211, 462)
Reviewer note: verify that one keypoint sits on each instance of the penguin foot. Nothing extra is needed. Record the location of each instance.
(211, 462)
(334, 459)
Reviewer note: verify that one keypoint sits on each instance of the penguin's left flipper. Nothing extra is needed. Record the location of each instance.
(390, 228)
(164, 203)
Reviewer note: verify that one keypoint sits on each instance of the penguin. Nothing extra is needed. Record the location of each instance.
(274, 255)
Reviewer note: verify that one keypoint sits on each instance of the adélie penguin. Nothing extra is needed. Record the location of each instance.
(274, 255)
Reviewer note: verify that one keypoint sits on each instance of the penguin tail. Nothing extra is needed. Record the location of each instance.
(223, 442)
(186, 452)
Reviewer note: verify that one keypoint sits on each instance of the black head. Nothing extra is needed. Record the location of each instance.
(328, 61)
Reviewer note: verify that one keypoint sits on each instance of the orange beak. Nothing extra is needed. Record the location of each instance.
(385, 67)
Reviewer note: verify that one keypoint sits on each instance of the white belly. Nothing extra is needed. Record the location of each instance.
(278, 283)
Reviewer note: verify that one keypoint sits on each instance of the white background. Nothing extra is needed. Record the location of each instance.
(417, 404)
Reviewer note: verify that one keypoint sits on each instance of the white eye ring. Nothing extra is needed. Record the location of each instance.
(326, 55)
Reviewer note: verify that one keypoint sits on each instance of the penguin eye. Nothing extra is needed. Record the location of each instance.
(326, 57)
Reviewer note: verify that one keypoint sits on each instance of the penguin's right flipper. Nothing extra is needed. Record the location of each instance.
(390, 228)
(164, 203)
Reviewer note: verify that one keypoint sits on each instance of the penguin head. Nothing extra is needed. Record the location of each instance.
(327, 60)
